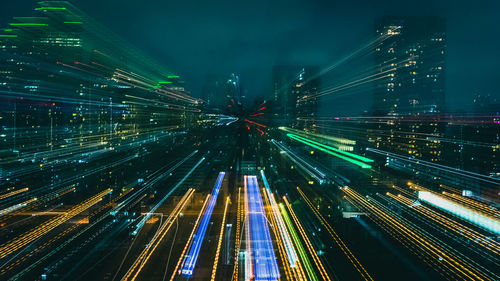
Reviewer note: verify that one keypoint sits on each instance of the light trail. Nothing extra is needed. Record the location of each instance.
(152, 210)
(354, 261)
(30, 236)
(473, 204)
(310, 248)
(16, 207)
(479, 219)
(192, 257)
(312, 171)
(12, 193)
(216, 261)
(181, 258)
(255, 123)
(249, 269)
(452, 225)
(437, 166)
(263, 258)
(284, 234)
(303, 256)
(349, 154)
(143, 258)
(342, 142)
(311, 144)
(445, 261)
(281, 250)
(239, 214)
(151, 181)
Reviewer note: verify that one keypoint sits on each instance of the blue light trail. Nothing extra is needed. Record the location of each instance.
(194, 251)
(263, 258)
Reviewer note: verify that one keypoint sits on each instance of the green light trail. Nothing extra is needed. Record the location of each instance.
(356, 162)
(8, 35)
(352, 155)
(28, 24)
(298, 244)
(50, 8)
(302, 133)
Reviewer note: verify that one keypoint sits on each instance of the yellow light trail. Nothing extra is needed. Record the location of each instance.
(354, 261)
(281, 250)
(237, 242)
(181, 258)
(310, 248)
(12, 193)
(139, 263)
(473, 204)
(452, 225)
(30, 236)
(216, 262)
(444, 258)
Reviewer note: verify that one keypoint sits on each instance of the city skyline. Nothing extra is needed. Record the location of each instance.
(356, 163)
(239, 50)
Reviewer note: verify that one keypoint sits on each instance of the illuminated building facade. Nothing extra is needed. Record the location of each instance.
(413, 59)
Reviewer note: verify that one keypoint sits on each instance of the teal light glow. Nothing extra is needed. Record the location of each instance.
(463, 212)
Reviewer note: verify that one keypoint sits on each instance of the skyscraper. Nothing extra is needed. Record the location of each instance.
(413, 61)
(294, 101)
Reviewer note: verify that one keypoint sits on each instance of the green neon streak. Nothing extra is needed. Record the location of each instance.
(339, 140)
(8, 29)
(28, 24)
(50, 8)
(165, 82)
(173, 76)
(356, 162)
(75, 22)
(8, 35)
(352, 155)
(298, 244)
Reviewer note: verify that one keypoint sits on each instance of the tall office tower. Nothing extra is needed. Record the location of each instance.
(294, 101)
(413, 59)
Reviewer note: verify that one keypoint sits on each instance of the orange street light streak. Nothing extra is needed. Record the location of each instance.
(308, 243)
(354, 261)
(12, 193)
(281, 250)
(30, 236)
(237, 242)
(216, 262)
(431, 247)
(452, 225)
(139, 263)
(181, 258)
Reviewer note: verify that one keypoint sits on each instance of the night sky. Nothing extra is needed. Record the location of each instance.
(196, 37)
